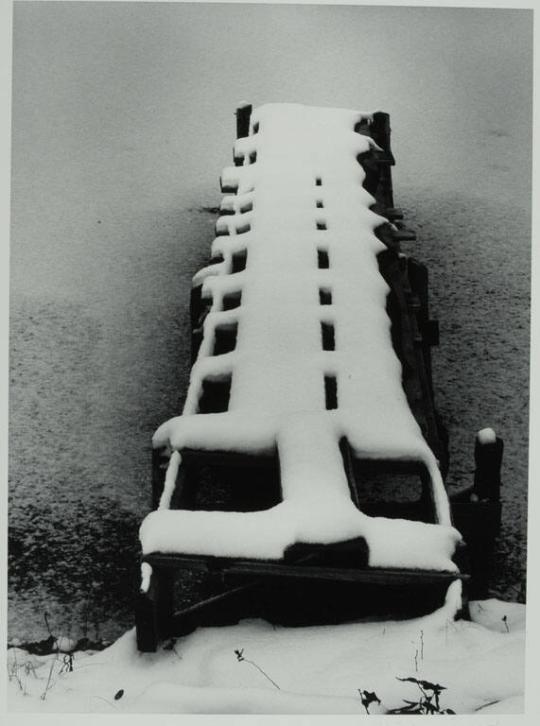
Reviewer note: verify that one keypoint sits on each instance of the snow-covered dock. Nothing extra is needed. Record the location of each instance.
(311, 363)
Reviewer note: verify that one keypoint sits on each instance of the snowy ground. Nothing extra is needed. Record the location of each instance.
(254, 667)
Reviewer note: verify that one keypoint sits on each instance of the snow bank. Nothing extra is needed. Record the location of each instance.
(301, 223)
(318, 669)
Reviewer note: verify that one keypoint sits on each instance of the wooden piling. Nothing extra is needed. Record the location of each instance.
(243, 116)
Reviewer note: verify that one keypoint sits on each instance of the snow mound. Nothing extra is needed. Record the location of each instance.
(254, 667)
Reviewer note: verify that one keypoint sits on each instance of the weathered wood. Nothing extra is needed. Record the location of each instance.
(479, 523)
(243, 116)
(380, 130)
(228, 188)
(381, 134)
(378, 177)
(414, 358)
(146, 624)
(153, 611)
(417, 275)
(230, 458)
(385, 234)
(383, 158)
(160, 462)
(233, 566)
(216, 609)
(348, 465)
(370, 575)
(352, 553)
(403, 234)
(487, 476)
(232, 477)
(432, 333)
(185, 494)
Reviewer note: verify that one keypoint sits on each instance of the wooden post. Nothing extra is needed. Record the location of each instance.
(381, 130)
(160, 463)
(154, 610)
(146, 624)
(243, 115)
(488, 453)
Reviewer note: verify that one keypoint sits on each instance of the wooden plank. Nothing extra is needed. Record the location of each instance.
(403, 234)
(372, 575)
(390, 576)
(211, 610)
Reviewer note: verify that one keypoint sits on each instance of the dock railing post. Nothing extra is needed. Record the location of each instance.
(488, 455)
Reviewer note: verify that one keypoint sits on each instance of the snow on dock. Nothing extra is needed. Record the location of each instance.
(308, 358)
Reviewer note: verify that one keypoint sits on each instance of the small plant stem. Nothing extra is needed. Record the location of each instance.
(485, 705)
(363, 701)
(86, 609)
(15, 663)
(426, 697)
(46, 618)
(261, 671)
(15, 671)
(44, 694)
(15, 675)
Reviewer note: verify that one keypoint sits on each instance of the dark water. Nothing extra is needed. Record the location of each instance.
(122, 121)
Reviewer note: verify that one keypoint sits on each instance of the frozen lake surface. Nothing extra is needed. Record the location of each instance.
(123, 120)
